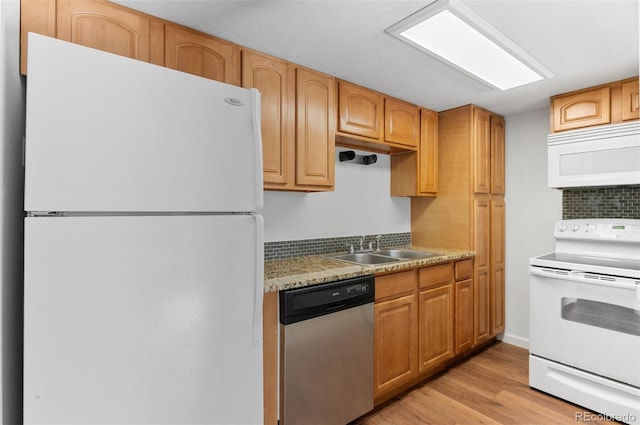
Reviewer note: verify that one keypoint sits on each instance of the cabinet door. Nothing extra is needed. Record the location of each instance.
(401, 122)
(360, 111)
(315, 129)
(630, 101)
(497, 155)
(276, 81)
(481, 280)
(428, 153)
(584, 109)
(481, 150)
(38, 17)
(464, 316)
(497, 266)
(104, 26)
(435, 326)
(202, 55)
(395, 343)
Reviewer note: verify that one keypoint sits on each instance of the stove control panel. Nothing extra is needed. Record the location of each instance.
(612, 229)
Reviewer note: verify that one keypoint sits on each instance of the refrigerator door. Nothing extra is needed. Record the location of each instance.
(109, 133)
(143, 320)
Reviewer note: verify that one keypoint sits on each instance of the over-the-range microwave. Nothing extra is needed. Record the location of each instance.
(597, 156)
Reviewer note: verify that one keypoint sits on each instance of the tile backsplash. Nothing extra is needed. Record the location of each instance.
(601, 202)
(288, 249)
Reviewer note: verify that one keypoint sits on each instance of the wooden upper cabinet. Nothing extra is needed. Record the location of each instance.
(610, 103)
(401, 123)
(108, 27)
(202, 55)
(275, 79)
(416, 173)
(587, 108)
(428, 153)
(38, 17)
(360, 112)
(481, 150)
(497, 155)
(630, 101)
(315, 129)
(94, 23)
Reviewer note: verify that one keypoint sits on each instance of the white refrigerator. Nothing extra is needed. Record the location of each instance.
(143, 243)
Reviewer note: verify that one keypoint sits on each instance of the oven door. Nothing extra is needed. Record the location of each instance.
(587, 321)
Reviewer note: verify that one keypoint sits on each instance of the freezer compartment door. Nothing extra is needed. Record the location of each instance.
(143, 320)
(109, 133)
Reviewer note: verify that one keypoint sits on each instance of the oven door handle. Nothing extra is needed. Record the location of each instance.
(573, 278)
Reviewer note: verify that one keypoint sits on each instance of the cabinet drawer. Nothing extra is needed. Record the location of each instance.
(393, 285)
(463, 269)
(435, 275)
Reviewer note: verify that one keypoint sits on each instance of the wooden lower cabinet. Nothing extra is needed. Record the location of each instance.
(396, 333)
(497, 265)
(423, 319)
(463, 316)
(435, 308)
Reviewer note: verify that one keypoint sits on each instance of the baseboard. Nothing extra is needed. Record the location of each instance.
(514, 340)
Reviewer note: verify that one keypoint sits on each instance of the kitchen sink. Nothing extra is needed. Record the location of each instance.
(383, 256)
(404, 253)
(364, 258)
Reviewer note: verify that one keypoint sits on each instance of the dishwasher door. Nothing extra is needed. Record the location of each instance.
(326, 368)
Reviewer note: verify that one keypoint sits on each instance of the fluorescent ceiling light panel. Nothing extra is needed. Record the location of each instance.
(452, 32)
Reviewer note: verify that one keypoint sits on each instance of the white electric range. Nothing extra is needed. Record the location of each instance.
(584, 327)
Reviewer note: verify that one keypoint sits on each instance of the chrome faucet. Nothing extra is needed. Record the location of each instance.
(378, 242)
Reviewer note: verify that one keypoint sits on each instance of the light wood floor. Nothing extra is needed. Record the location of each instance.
(489, 388)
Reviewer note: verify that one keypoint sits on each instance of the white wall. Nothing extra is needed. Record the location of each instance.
(11, 187)
(531, 212)
(360, 205)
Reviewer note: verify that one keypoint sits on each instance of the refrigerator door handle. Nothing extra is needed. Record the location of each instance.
(256, 119)
(259, 279)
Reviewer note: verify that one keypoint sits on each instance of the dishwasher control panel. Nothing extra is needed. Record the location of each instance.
(305, 303)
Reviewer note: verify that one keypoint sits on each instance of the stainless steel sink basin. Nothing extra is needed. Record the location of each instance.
(382, 257)
(364, 258)
(404, 253)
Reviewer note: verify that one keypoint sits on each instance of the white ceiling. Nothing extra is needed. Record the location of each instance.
(584, 43)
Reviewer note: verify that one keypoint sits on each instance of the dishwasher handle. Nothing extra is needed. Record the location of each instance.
(306, 303)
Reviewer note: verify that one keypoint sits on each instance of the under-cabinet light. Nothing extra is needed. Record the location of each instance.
(450, 31)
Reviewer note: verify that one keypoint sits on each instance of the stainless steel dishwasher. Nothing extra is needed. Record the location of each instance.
(326, 352)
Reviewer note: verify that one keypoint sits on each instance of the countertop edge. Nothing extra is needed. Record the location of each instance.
(299, 272)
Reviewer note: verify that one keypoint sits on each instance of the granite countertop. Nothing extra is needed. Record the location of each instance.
(298, 272)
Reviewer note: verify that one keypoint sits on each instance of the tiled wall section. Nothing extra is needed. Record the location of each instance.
(604, 202)
(288, 249)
